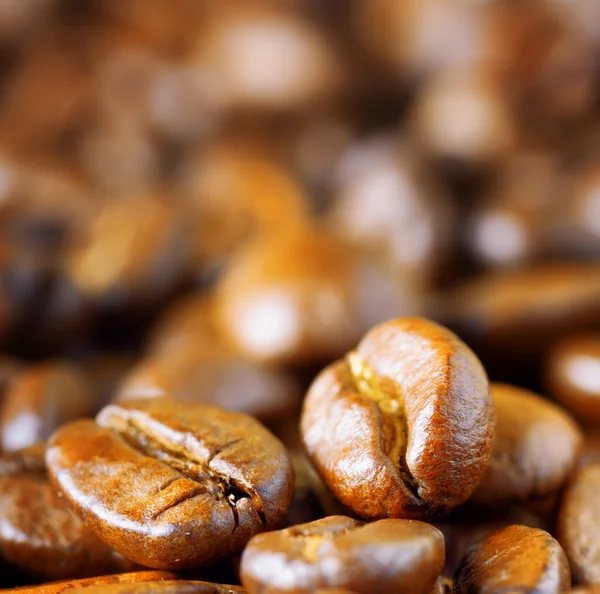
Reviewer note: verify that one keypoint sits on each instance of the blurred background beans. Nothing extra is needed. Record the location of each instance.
(213, 202)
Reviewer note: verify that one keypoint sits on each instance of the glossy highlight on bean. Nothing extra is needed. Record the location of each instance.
(172, 485)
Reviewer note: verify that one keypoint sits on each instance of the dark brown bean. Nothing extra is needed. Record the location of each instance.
(238, 193)
(515, 559)
(118, 578)
(305, 298)
(512, 316)
(572, 375)
(40, 533)
(403, 427)
(384, 556)
(167, 587)
(172, 485)
(535, 450)
(469, 527)
(132, 251)
(39, 400)
(215, 378)
(578, 525)
(145, 582)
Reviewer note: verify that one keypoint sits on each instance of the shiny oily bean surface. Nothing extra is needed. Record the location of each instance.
(172, 485)
(535, 450)
(215, 378)
(41, 534)
(579, 525)
(166, 587)
(84, 583)
(305, 298)
(383, 556)
(39, 400)
(515, 559)
(572, 375)
(403, 427)
(469, 527)
(511, 315)
(288, 300)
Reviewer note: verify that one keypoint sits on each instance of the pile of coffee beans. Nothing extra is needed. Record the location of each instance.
(300, 297)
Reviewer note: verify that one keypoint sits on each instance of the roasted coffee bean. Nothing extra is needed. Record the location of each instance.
(172, 485)
(511, 316)
(166, 587)
(238, 193)
(515, 559)
(419, 400)
(304, 298)
(535, 450)
(578, 522)
(468, 527)
(133, 251)
(142, 582)
(39, 400)
(40, 533)
(289, 299)
(215, 378)
(339, 552)
(572, 375)
(117, 578)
